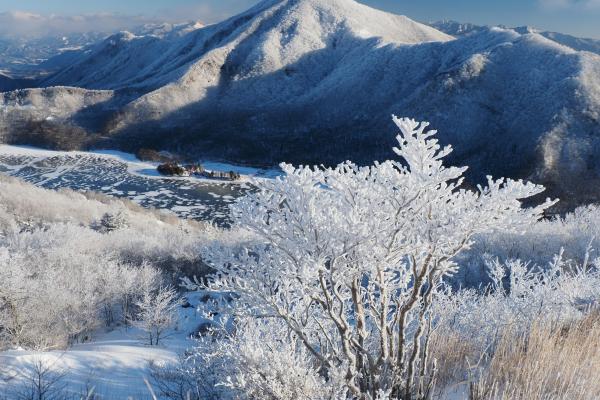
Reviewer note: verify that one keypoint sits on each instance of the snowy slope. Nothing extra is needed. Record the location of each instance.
(40, 55)
(316, 81)
(114, 366)
(576, 43)
(275, 52)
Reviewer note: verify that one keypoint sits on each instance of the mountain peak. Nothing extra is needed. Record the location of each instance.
(357, 18)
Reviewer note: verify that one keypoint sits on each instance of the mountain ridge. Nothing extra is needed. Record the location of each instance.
(456, 28)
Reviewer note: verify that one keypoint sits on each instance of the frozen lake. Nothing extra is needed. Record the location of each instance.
(122, 175)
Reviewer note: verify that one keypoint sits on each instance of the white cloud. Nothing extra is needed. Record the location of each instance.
(562, 4)
(18, 23)
(21, 23)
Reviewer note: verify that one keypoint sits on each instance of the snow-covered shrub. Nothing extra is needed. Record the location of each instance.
(574, 234)
(60, 277)
(157, 313)
(42, 381)
(474, 329)
(172, 244)
(548, 361)
(347, 264)
(260, 359)
(112, 222)
(520, 293)
(179, 381)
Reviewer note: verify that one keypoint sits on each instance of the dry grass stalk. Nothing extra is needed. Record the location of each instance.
(549, 363)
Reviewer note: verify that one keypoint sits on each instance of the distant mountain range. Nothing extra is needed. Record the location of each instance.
(458, 29)
(31, 57)
(21, 55)
(315, 81)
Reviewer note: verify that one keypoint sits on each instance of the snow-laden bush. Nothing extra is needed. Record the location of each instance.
(149, 236)
(61, 282)
(520, 293)
(348, 261)
(112, 222)
(260, 360)
(524, 318)
(576, 235)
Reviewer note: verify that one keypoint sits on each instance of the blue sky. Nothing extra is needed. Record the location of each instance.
(579, 17)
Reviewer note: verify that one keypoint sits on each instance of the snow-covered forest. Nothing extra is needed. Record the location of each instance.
(389, 281)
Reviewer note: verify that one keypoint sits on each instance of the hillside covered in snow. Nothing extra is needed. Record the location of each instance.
(314, 81)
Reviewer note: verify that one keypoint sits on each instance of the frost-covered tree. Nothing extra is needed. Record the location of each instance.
(348, 259)
(62, 278)
(113, 222)
(41, 381)
(157, 313)
(13, 323)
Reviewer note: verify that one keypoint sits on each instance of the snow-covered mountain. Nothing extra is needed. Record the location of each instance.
(25, 55)
(576, 43)
(456, 28)
(316, 81)
(120, 60)
(277, 31)
(462, 29)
